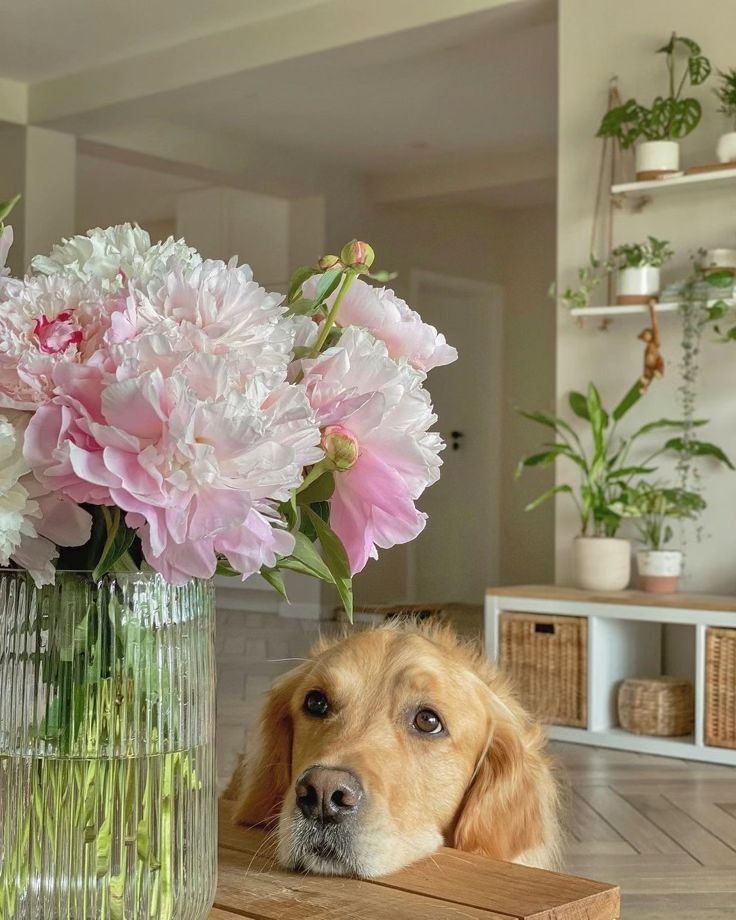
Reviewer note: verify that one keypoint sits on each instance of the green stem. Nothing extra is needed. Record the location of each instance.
(348, 279)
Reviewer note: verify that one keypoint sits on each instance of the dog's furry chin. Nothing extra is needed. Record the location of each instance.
(483, 785)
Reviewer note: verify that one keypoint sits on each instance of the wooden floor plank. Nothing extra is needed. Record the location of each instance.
(632, 824)
(587, 826)
(709, 815)
(694, 838)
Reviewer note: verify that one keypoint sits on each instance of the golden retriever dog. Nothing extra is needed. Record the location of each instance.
(385, 745)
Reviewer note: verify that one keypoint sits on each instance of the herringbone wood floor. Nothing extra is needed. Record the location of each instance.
(664, 830)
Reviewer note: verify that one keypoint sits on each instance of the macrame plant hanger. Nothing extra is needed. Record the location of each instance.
(616, 166)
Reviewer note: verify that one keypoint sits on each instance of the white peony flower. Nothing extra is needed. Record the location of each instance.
(32, 521)
(113, 255)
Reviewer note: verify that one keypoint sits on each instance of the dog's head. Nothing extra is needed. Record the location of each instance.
(387, 744)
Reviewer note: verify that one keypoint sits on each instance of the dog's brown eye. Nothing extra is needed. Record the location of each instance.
(316, 704)
(428, 722)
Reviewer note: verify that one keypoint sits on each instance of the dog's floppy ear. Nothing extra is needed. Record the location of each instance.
(510, 807)
(264, 779)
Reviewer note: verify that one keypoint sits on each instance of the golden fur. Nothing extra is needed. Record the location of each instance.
(484, 787)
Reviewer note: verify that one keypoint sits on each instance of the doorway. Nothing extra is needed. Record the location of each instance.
(457, 555)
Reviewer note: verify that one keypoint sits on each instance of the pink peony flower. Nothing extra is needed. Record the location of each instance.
(32, 520)
(218, 309)
(198, 465)
(368, 403)
(393, 322)
(45, 322)
(56, 335)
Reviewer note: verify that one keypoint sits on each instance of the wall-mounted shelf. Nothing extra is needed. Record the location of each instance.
(713, 179)
(613, 310)
(623, 309)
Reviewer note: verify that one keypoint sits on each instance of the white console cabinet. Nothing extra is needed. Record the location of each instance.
(625, 639)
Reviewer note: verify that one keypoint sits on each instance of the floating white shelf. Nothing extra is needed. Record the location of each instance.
(629, 309)
(714, 178)
(623, 309)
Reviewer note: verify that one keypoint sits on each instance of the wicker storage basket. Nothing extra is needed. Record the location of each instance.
(546, 659)
(663, 706)
(720, 688)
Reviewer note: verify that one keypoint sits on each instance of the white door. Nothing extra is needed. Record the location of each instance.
(457, 555)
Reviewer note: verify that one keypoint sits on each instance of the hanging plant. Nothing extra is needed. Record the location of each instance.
(698, 310)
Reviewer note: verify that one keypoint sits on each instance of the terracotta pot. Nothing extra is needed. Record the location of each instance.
(657, 158)
(601, 563)
(726, 148)
(637, 285)
(659, 570)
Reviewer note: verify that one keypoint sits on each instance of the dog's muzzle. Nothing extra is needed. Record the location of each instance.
(328, 805)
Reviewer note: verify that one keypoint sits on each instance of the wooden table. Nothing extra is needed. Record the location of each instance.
(450, 886)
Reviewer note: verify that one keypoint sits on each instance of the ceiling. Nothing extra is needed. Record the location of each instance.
(476, 87)
(486, 81)
(41, 39)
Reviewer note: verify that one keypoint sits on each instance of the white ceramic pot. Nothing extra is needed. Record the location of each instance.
(637, 285)
(716, 259)
(657, 158)
(602, 563)
(659, 570)
(726, 148)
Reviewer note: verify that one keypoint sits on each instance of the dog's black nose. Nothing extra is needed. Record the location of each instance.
(328, 794)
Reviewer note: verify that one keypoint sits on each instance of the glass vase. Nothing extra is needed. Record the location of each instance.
(107, 760)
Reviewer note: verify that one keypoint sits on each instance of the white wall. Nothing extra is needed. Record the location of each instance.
(515, 249)
(598, 40)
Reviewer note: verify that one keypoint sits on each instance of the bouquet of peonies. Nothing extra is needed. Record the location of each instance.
(163, 411)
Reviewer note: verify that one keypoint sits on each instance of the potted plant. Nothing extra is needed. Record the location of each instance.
(638, 266)
(602, 560)
(726, 94)
(589, 277)
(668, 118)
(654, 506)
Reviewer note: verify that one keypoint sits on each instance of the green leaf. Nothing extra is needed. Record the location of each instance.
(116, 547)
(668, 423)
(631, 398)
(546, 419)
(337, 560)
(698, 449)
(717, 310)
(319, 491)
(224, 568)
(557, 490)
(275, 579)
(721, 279)
(306, 560)
(597, 415)
(698, 68)
(627, 471)
(579, 405)
(302, 274)
(543, 459)
(327, 284)
(303, 306)
(7, 206)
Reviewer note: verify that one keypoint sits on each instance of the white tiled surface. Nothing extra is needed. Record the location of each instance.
(253, 649)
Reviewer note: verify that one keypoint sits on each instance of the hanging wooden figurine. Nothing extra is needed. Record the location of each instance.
(653, 360)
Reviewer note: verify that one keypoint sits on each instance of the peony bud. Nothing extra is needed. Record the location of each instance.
(357, 254)
(340, 445)
(326, 263)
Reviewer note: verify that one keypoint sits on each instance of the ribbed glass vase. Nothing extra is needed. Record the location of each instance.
(107, 762)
